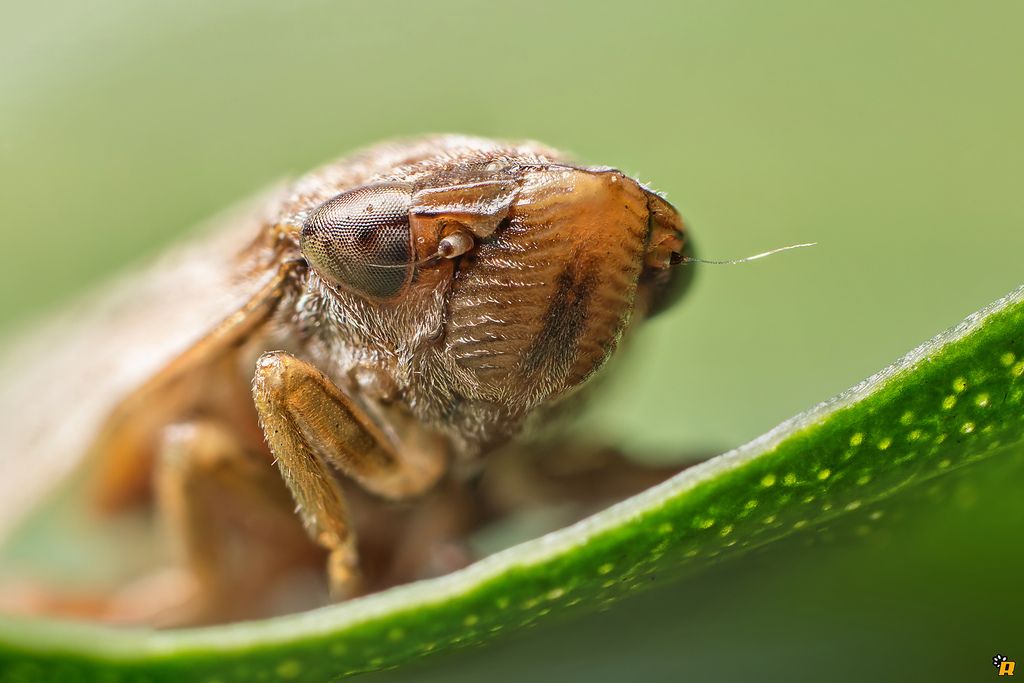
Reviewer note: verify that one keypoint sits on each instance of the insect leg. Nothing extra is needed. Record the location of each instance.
(231, 522)
(238, 551)
(126, 445)
(309, 422)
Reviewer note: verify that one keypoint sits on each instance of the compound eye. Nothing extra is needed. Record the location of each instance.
(360, 240)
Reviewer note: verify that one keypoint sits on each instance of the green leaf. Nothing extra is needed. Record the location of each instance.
(951, 402)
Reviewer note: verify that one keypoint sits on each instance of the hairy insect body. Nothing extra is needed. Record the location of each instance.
(526, 318)
(410, 306)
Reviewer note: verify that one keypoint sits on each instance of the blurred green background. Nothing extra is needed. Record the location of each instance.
(889, 133)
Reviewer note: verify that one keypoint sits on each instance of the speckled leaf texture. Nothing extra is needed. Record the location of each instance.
(951, 402)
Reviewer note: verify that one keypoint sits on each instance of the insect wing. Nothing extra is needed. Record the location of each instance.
(60, 380)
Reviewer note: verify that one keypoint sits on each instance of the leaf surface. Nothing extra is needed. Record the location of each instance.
(951, 402)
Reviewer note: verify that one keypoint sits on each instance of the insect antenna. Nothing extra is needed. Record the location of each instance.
(746, 259)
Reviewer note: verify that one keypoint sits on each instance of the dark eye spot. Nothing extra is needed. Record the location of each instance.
(360, 239)
(671, 284)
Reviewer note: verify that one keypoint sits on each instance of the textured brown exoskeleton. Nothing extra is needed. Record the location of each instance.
(403, 312)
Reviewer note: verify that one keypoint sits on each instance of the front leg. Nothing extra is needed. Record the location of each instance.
(309, 422)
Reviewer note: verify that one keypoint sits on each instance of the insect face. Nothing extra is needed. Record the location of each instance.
(538, 306)
(527, 274)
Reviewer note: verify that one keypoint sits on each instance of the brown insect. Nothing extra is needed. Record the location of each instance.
(368, 335)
